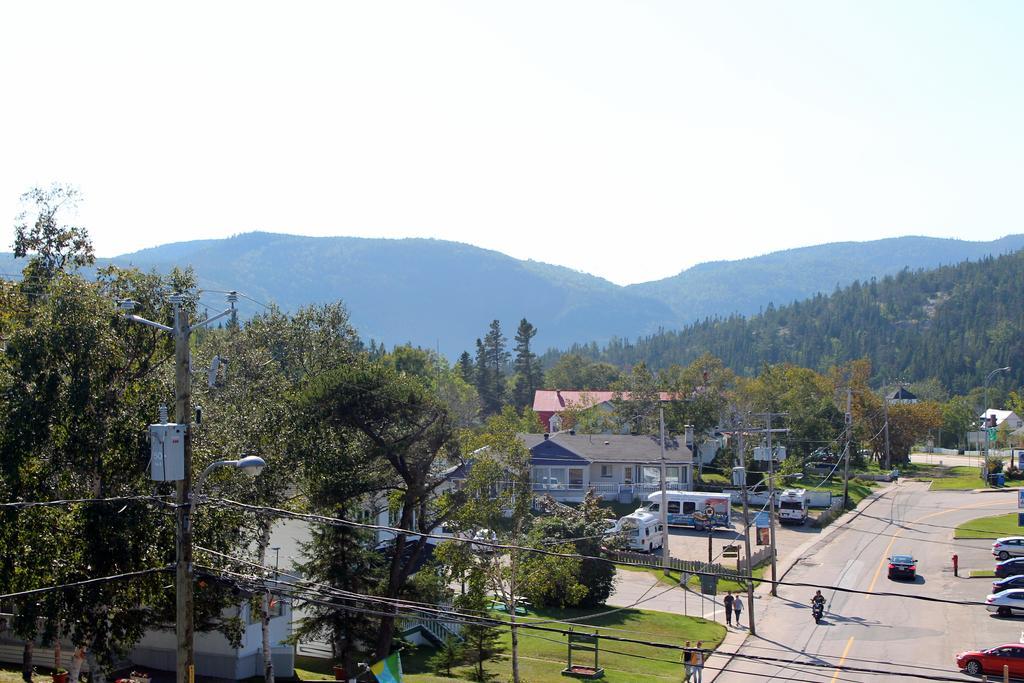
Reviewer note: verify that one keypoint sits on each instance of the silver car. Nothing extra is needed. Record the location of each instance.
(1005, 603)
(1008, 546)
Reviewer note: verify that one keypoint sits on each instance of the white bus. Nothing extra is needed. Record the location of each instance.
(693, 508)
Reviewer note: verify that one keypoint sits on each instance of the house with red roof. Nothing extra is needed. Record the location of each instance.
(549, 404)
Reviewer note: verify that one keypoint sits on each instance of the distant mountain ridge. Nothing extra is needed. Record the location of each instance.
(443, 295)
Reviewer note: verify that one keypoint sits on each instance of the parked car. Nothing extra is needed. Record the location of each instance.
(1005, 603)
(824, 455)
(1016, 581)
(902, 567)
(976, 662)
(1010, 567)
(1007, 547)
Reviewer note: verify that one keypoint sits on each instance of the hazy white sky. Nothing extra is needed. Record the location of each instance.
(626, 139)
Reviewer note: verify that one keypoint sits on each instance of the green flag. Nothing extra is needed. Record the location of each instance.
(388, 670)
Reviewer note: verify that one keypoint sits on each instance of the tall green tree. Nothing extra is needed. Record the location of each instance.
(636, 401)
(528, 373)
(492, 358)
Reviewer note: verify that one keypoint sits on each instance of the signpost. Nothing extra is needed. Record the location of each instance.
(1020, 506)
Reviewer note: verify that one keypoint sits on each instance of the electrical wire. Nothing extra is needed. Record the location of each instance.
(85, 582)
(337, 521)
(21, 505)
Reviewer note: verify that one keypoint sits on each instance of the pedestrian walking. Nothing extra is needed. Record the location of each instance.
(727, 601)
(687, 663)
(698, 662)
(737, 608)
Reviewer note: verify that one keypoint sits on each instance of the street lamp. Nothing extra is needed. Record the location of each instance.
(984, 423)
(250, 464)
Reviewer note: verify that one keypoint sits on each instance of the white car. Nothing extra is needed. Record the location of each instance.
(1005, 603)
(1007, 547)
(483, 540)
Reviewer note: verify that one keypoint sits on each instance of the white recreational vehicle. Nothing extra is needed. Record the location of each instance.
(643, 531)
(793, 506)
(693, 508)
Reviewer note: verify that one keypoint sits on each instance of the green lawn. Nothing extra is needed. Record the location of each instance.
(995, 526)
(858, 489)
(542, 655)
(714, 478)
(694, 582)
(958, 478)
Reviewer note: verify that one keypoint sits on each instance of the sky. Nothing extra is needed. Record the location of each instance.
(629, 140)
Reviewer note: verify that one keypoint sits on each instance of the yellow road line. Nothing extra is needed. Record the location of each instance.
(885, 557)
(842, 659)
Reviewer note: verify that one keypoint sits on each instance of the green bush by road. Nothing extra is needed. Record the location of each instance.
(995, 526)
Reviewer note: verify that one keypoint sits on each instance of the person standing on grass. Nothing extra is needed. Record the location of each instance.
(698, 662)
(727, 601)
(687, 663)
(737, 608)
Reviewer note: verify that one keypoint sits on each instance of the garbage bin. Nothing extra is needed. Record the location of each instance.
(1000, 479)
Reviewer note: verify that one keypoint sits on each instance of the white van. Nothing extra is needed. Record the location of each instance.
(793, 505)
(693, 508)
(643, 531)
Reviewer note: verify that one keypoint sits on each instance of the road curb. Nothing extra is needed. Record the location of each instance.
(787, 564)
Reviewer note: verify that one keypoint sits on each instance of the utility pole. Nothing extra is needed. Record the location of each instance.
(663, 506)
(768, 417)
(885, 403)
(183, 596)
(746, 536)
(846, 451)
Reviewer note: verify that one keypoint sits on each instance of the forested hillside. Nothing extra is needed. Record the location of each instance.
(954, 324)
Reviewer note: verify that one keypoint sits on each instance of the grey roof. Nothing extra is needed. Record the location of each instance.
(902, 394)
(612, 447)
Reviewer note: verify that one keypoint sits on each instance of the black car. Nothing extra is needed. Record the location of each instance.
(1011, 567)
(1016, 581)
(902, 567)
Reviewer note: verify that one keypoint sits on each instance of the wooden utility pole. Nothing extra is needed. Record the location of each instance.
(746, 536)
(663, 506)
(846, 450)
(183, 540)
(771, 496)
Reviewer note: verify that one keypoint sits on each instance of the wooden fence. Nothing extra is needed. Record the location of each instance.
(691, 566)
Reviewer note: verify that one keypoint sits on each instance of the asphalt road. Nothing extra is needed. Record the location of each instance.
(897, 635)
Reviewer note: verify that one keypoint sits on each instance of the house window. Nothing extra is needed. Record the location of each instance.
(606, 471)
(672, 477)
(556, 478)
(652, 476)
(540, 478)
(576, 478)
(627, 474)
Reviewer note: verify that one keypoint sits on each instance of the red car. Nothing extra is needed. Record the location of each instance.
(991, 661)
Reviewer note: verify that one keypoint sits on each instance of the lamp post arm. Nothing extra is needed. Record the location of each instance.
(202, 480)
(204, 323)
(140, 319)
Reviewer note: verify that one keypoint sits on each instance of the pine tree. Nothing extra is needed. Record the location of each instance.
(491, 361)
(529, 375)
(464, 366)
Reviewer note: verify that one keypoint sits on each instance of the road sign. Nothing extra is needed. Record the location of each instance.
(730, 551)
(1020, 499)
(991, 433)
(1020, 519)
(708, 584)
(762, 520)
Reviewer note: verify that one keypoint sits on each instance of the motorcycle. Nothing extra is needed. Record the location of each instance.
(818, 610)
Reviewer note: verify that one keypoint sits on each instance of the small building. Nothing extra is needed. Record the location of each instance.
(1010, 419)
(549, 404)
(901, 396)
(616, 466)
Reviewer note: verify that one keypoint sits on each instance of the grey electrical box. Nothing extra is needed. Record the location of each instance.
(167, 451)
(739, 476)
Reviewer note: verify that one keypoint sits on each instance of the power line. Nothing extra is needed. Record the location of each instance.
(85, 582)
(337, 521)
(21, 505)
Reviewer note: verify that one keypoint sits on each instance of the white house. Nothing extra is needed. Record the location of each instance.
(1002, 417)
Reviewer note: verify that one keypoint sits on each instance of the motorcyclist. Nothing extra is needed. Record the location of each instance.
(818, 601)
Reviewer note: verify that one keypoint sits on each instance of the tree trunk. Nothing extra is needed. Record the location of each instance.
(76, 665)
(26, 661)
(268, 652)
(96, 672)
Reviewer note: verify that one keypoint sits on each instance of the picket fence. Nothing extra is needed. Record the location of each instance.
(757, 558)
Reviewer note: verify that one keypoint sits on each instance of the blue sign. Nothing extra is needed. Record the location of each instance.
(762, 520)
(1020, 499)
(1020, 519)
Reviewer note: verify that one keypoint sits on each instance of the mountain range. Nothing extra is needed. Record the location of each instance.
(443, 295)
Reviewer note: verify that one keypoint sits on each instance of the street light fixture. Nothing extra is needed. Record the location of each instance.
(250, 464)
(984, 423)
